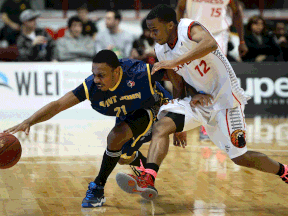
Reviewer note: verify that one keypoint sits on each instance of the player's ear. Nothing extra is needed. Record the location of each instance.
(170, 25)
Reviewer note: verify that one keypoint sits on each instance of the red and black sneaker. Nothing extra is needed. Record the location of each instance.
(142, 184)
(284, 177)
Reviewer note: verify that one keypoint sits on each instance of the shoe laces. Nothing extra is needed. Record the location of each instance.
(92, 192)
(138, 170)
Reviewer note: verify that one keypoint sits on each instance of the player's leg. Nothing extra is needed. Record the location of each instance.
(230, 129)
(140, 122)
(169, 123)
(117, 137)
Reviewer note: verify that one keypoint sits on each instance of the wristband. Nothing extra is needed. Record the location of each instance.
(201, 92)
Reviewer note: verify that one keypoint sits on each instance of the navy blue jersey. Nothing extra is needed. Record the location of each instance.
(134, 90)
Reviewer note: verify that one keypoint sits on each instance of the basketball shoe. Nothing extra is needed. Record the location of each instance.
(94, 196)
(284, 177)
(203, 134)
(141, 184)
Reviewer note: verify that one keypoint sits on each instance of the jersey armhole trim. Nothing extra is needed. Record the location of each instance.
(189, 30)
(86, 90)
(150, 79)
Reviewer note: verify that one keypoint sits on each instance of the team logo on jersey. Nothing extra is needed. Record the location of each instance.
(238, 138)
(130, 83)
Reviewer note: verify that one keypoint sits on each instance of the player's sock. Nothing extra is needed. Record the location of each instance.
(152, 169)
(136, 162)
(281, 170)
(109, 161)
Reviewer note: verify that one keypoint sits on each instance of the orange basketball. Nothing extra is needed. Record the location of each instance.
(10, 150)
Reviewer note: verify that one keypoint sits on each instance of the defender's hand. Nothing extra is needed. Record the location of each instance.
(203, 99)
(163, 65)
(180, 139)
(24, 126)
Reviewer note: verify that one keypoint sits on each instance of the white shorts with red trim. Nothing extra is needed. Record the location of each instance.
(220, 125)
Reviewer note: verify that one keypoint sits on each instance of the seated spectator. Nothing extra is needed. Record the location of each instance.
(89, 28)
(282, 39)
(74, 46)
(34, 44)
(11, 10)
(114, 38)
(143, 48)
(261, 45)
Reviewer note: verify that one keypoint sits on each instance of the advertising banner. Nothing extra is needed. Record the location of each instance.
(267, 84)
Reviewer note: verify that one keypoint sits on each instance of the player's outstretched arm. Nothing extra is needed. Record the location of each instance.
(205, 44)
(45, 113)
(180, 9)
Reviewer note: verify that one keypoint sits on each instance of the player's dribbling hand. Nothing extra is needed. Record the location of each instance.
(180, 139)
(163, 65)
(24, 126)
(202, 99)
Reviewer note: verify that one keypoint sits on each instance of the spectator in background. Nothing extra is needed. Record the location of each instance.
(89, 28)
(34, 44)
(143, 48)
(74, 46)
(11, 10)
(114, 38)
(261, 45)
(282, 39)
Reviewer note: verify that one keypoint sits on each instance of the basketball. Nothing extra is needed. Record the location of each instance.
(10, 150)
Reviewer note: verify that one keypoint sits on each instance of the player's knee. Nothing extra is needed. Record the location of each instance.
(243, 160)
(113, 142)
(160, 130)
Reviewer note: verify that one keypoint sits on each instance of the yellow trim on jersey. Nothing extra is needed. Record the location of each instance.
(119, 80)
(148, 127)
(124, 156)
(86, 90)
(150, 80)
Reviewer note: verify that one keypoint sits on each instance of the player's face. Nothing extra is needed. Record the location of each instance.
(159, 31)
(104, 76)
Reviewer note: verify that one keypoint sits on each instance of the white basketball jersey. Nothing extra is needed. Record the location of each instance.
(212, 14)
(212, 74)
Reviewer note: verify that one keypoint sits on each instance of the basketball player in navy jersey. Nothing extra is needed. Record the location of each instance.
(123, 88)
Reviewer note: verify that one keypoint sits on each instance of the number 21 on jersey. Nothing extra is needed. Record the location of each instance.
(202, 68)
(119, 109)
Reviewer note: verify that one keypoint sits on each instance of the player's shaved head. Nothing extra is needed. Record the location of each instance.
(164, 13)
(108, 57)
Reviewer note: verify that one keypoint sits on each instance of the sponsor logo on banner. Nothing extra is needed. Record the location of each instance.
(4, 82)
(265, 90)
(33, 83)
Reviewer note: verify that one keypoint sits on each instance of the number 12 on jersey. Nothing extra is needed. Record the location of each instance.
(203, 69)
(118, 110)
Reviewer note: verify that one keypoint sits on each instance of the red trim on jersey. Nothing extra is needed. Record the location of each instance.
(171, 46)
(189, 30)
(227, 122)
(236, 99)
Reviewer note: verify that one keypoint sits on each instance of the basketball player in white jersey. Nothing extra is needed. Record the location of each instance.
(191, 51)
(216, 17)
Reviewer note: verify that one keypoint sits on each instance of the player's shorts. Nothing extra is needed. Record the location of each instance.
(140, 122)
(226, 128)
(222, 39)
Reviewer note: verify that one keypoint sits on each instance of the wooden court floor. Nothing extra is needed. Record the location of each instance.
(61, 157)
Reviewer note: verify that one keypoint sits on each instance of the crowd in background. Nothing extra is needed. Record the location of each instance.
(81, 39)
